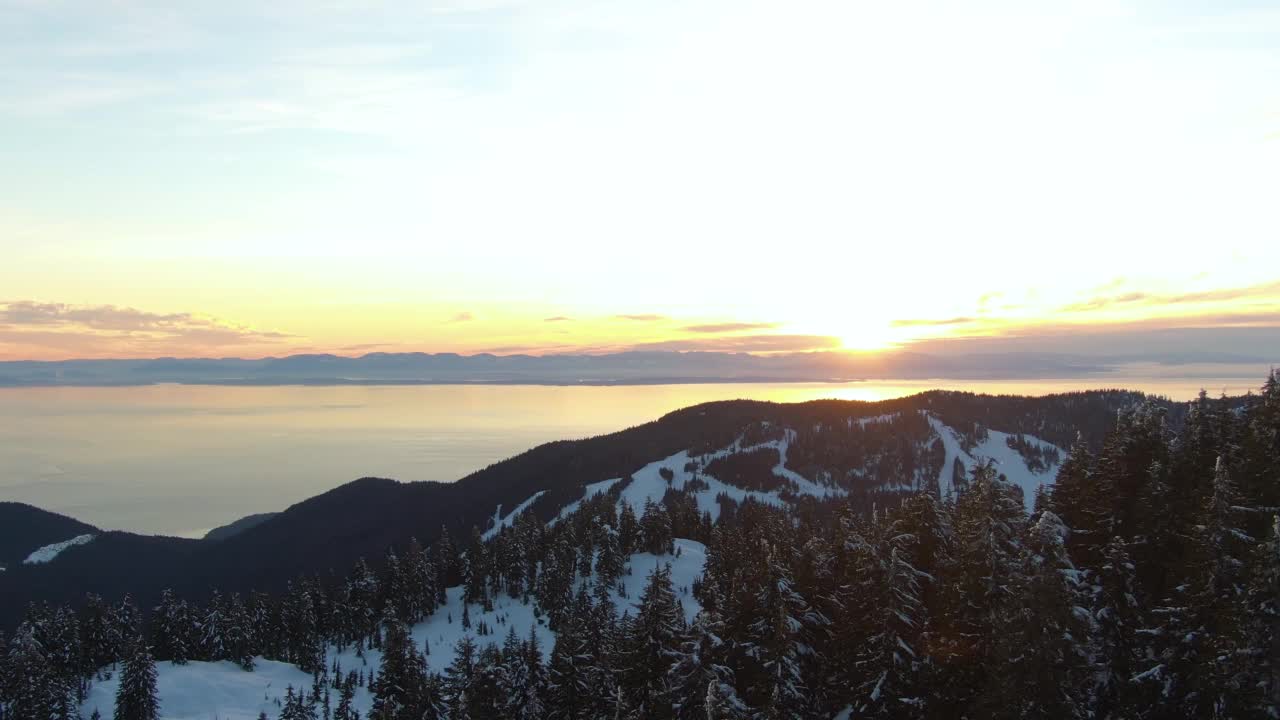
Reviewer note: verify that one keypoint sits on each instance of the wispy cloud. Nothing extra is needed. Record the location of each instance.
(644, 317)
(918, 322)
(728, 327)
(89, 329)
(557, 318)
(746, 343)
(465, 316)
(114, 318)
(1265, 290)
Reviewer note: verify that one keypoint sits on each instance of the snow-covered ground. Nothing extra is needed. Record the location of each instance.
(996, 449)
(201, 691)
(49, 552)
(222, 690)
(500, 522)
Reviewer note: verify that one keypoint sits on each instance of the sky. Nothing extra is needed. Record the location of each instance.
(257, 179)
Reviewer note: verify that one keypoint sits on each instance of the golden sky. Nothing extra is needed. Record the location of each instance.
(229, 179)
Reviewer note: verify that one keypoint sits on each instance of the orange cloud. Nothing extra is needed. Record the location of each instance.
(728, 327)
(37, 329)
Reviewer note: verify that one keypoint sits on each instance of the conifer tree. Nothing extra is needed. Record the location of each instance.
(655, 645)
(100, 639)
(1117, 616)
(1043, 654)
(887, 597)
(774, 642)
(404, 691)
(701, 668)
(136, 695)
(989, 522)
(238, 631)
(460, 680)
(26, 673)
(569, 687)
(1262, 623)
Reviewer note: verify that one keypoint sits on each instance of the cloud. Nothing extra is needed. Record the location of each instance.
(645, 317)
(746, 343)
(728, 327)
(1250, 336)
(463, 317)
(1207, 296)
(111, 329)
(558, 318)
(540, 349)
(1105, 301)
(933, 323)
(119, 319)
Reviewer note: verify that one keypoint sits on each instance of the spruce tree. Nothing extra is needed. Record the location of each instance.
(774, 642)
(25, 677)
(569, 687)
(460, 680)
(1043, 654)
(136, 697)
(888, 655)
(655, 645)
(401, 685)
(1262, 623)
(989, 529)
(1117, 616)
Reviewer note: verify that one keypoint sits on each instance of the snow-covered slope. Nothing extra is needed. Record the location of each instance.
(592, 490)
(500, 522)
(202, 690)
(649, 485)
(996, 449)
(49, 552)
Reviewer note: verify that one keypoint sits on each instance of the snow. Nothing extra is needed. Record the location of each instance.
(49, 552)
(648, 484)
(803, 485)
(500, 522)
(201, 690)
(591, 491)
(995, 448)
(863, 422)
(844, 714)
(685, 569)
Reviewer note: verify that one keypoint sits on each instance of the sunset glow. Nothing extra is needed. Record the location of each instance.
(514, 177)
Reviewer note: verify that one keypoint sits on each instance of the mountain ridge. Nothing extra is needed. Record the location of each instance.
(329, 532)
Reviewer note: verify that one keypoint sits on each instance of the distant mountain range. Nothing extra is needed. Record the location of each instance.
(626, 368)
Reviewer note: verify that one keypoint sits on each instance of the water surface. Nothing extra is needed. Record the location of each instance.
(180, 459)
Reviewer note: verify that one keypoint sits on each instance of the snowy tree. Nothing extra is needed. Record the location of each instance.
(1043, 654)
(136, 695)
(26, 673)
(774, 642)
(655, 644)
(888, 657)
(460, 680)
(989, 530)
(1262, 623)
(704, 666)
(1117, 615)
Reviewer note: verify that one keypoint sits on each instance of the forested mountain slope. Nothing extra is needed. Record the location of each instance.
(831, 443)
(1142, 584)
